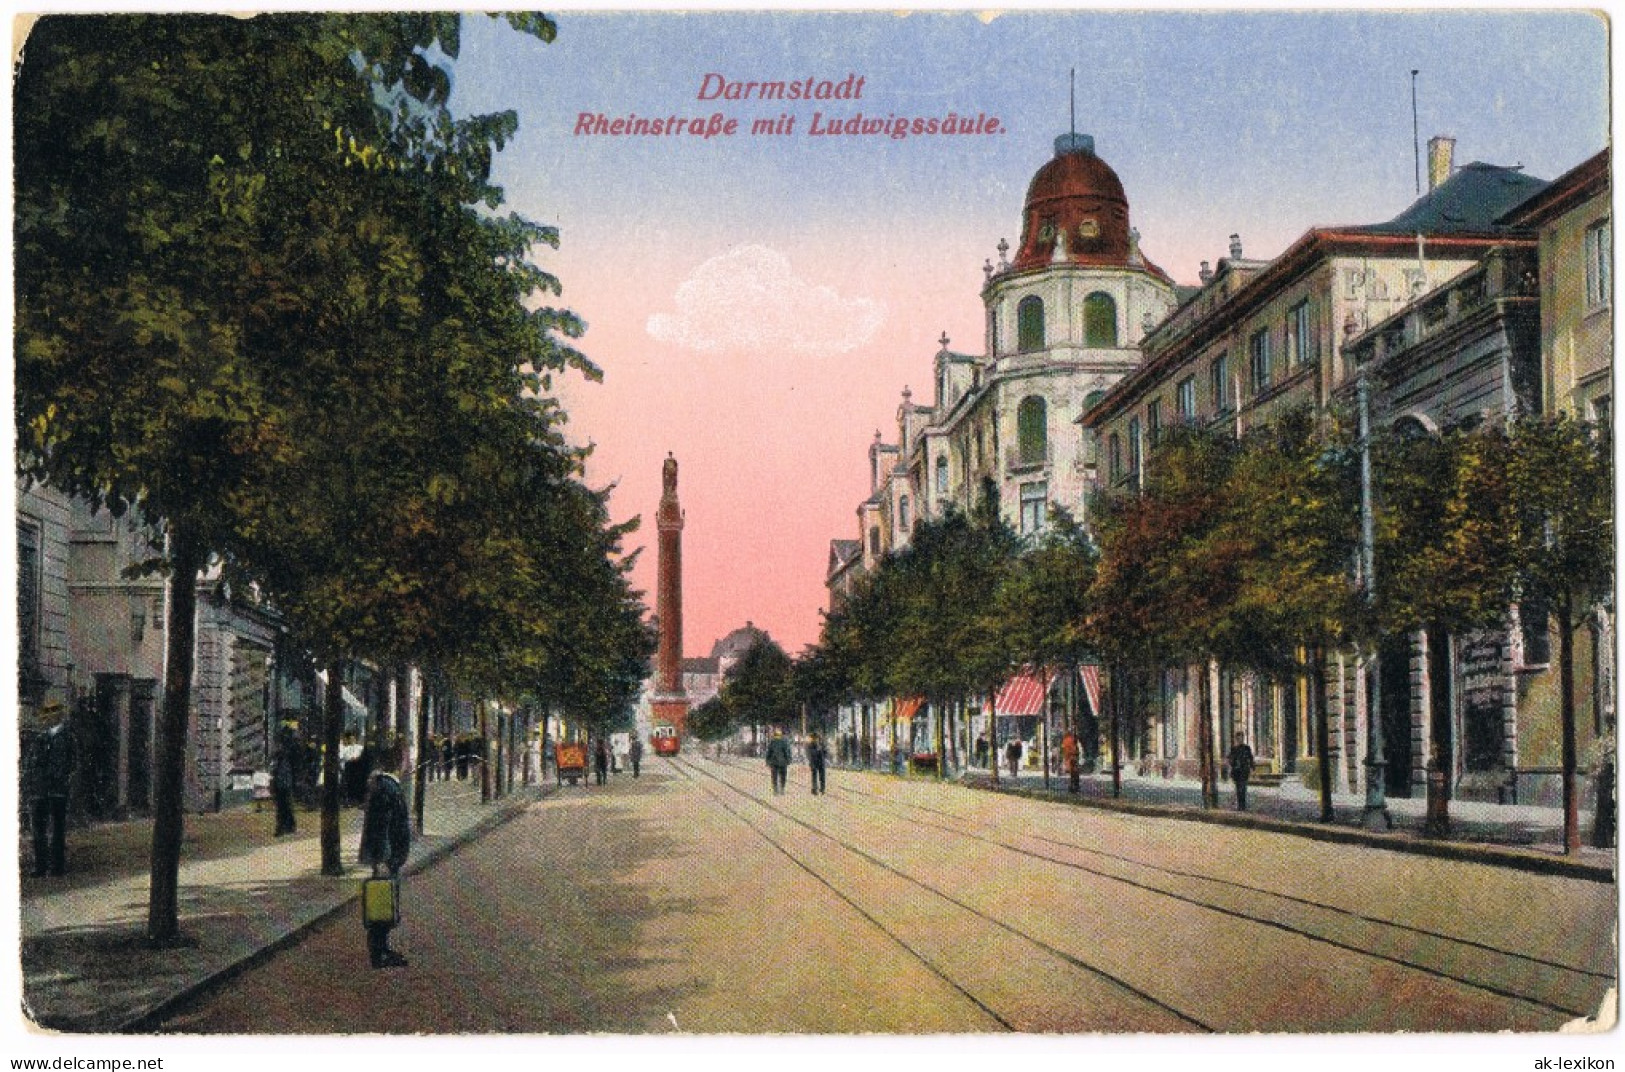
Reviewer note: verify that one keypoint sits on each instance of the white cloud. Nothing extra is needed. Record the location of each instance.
(749, 299)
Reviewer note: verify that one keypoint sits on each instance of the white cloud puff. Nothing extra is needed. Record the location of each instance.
(749, 299)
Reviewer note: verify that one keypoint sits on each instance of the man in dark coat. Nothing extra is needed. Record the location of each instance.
(283, 774)
(817, 759)
(49, 773)
(386, 838)
(600, 761)
(1241, 769)
(636, 754)
(1012, 755)
(778, 760)
(981, 750)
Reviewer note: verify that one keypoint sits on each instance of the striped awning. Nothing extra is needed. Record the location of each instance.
(905, 709)
(1021, 696)
(1091, 687)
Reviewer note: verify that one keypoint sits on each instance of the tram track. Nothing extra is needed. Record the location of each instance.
(688, 771)
(694, 773)
(1574, 1007)
(893, 805)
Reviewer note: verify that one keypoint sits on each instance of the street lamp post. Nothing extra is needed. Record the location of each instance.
(1376, 815)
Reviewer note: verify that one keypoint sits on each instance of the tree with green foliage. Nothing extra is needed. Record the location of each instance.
(1290, 524)
(1168, 576)
(1041, 603)
(711, 721)
(186, 210)
(945, 648)
(757, 689)
(1562, 497)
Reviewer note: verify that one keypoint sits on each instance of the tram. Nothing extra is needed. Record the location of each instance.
(664, 740)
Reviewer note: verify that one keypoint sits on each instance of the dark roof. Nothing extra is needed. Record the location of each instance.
(1471, 201)
(1580, 183)
(739, 641)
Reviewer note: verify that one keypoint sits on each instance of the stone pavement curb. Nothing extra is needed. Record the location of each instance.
(145, 1021)
(1469, 852)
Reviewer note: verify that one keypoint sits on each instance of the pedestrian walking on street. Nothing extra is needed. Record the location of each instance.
(1241, 769)
(635, 753)
(778, 760)
(600, 761)
(981, 750)
(386, 839)
(282, 780)
(1012, 756)
(1069, 759)
(817, 758)
(49, 772)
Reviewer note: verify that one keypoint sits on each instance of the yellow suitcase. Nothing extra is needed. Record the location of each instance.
(380, 901)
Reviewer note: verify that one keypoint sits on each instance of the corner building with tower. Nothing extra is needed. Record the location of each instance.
(1481, 301)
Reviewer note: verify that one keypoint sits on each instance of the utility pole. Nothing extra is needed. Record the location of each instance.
(1416, 135)
(1376, 815)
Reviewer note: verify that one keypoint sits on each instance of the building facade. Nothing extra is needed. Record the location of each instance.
(1447, 308)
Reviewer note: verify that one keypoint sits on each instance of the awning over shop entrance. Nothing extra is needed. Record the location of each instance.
(905, 709)
(1091, 687)
(1022, 696)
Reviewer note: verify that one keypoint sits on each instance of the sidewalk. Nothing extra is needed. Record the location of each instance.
(1515, 835)
(243, 894)
(1523, 836)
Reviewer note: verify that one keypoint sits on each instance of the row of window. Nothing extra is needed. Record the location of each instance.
(1034, 507)
(1099, 322)
(1263, 372)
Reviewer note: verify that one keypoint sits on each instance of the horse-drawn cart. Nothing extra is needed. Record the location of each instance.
(570, 761)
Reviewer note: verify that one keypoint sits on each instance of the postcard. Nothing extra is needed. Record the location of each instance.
(892, 528)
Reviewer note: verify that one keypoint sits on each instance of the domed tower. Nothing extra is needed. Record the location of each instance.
(1090, 286)
(1077, 213)
(1064, 322)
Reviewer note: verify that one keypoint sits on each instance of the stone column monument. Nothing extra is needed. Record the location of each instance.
(669, 703)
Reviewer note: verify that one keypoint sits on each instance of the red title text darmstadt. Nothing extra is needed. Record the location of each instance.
(717, 87)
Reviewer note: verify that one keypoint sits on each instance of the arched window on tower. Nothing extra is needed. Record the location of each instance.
(1032, 430)
(942, 474)
(1030, 324)
(1099, 320)
(874, 540)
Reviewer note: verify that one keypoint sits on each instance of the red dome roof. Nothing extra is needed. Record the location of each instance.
(1078, 200)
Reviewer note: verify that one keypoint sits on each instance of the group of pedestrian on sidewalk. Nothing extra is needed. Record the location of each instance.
(778, 762)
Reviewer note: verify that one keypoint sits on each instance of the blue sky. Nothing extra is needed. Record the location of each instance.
(1264, 123)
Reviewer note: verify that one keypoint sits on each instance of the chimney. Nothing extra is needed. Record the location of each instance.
(1206, 274)
(1235, 247)
(1441, 153)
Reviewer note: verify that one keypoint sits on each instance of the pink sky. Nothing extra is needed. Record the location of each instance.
(758, 304)
(772, 442)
